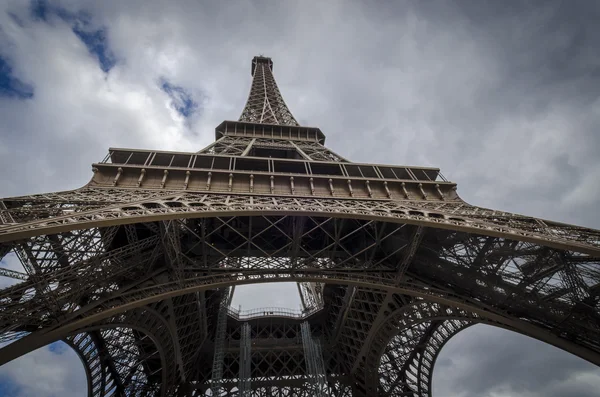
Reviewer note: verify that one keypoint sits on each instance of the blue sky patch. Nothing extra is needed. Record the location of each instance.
(39, 9)
(10, 86)
(94, 37)
(96, 43)
(58, 348)
(181, 99)
(42, 10)
(8, 387)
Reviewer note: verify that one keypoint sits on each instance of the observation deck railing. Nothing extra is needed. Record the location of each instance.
(298, 314)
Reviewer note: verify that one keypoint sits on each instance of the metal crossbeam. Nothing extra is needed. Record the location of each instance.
(13, 274)
(136, 269)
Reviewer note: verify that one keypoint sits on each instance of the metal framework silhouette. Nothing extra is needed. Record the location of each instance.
(136, 269)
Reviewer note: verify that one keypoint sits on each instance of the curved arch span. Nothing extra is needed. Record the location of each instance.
(128, 354)
(408, 362)
(107, 309)
(476, 350)
(178, 205)
(407, 344)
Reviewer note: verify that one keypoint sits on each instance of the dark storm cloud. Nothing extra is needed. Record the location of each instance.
(503, 96)
(485, 361)
(549, 65)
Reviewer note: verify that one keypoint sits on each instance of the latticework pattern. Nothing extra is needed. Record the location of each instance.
(265, 104)
(135, 269)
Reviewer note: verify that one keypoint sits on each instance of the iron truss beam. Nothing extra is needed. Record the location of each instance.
(131, 269)
(13, 274)
(265, 103)
(497, 278)
(403, 352)
(164, 206)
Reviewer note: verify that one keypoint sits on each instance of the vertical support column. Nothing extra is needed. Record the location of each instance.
(244, 387)
(313, 357)
(217, 369)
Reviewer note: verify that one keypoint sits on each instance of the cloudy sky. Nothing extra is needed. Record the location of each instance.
(502, 96)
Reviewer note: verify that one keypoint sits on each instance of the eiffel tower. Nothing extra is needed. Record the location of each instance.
(135, 270)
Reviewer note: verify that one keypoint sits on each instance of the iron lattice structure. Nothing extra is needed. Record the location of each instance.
(135, 269)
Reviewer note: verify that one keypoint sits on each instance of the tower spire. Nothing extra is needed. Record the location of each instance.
(265, 104)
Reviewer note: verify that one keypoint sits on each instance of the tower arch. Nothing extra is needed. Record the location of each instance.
(150, 246)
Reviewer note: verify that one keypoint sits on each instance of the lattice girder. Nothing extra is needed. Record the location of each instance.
(232, 145)
(130, 269)
(403, 351)
(128, 354)
(265, 103)
(165, 206)
(329, 254)
(276, 354)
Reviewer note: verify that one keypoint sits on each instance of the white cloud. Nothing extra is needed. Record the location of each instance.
(255, 296)
(45, 372)
(77, 110)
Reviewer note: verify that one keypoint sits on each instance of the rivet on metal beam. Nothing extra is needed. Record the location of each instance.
(404, 190)
(369, 188)
(208, 181)
(331, 186)
(437, 187)
(164, 180)
(119, 172)
(292, 185)
(251, 183)
(312, 186)
(141, 178)
(187, 180)
(272, 184)
(422, 191)
(230, 184)
(350, 188)
(387, 190)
